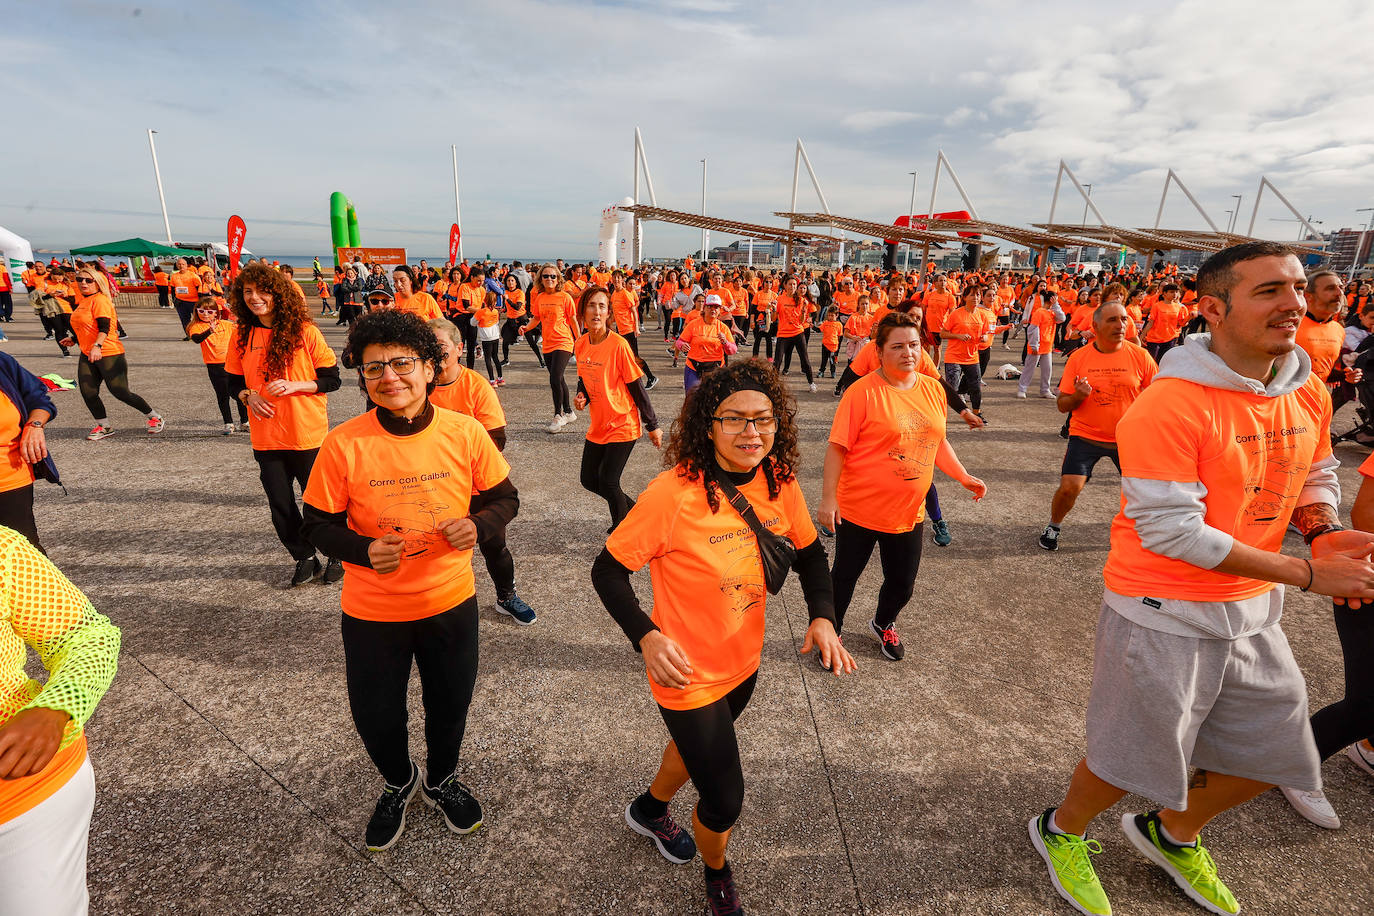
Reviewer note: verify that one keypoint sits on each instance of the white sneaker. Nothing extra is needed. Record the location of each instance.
(1021, 395)
(557, 423)
(1363, 759)
(1314, 807)
(228, 429)
(813, 387)
(1046, 394)
(569, 417)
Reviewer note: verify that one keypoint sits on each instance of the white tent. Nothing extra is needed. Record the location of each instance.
(14, 252)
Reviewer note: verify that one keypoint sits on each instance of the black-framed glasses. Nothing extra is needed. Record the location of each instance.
(401, 365)
(85, 279)
(733, 426)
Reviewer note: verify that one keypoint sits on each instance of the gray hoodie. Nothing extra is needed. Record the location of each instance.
(1170, 516)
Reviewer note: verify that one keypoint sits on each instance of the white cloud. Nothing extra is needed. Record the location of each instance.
(864, 121)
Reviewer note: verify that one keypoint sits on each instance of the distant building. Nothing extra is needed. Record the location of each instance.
(1347, 246)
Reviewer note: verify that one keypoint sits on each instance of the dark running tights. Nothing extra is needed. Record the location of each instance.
(113, 372)
(557, 363)
(496, 554)
(602, 465)
(783, 355)
(377, 659)
(901, 559)
(220, 382)
(280, 470)
(1352, 718)
(492, 358)
(705, 737)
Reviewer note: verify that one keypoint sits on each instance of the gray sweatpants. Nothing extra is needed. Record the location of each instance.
(1162, 703)
(1045, 361)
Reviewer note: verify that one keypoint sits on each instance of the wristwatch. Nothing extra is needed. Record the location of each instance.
(36, 424)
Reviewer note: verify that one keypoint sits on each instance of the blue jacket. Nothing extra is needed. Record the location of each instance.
(27, 393)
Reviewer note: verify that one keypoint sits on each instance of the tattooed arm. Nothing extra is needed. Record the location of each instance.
(1314, 520)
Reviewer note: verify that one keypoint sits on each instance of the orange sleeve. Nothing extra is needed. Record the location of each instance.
(849, 416)
(800, 528)
(646, 531)
(1147, 424)
(321, 356)
(233, 359)
(327, 489)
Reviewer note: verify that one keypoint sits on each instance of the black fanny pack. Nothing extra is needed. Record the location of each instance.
(776, 552)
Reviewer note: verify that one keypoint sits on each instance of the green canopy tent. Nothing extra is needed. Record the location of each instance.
(132, 248)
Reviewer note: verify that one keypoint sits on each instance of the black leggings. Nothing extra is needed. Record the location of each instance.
(377, 659)
(113, 371)
(633, 341)
(901, 559)
(280, 469)
(764, 336)
(602, 465)
(786, 347)
(500, 563)
(705, 737)
(220, 382)
(491, 356)
(509, 332)
(1350, 719)
(467, 327)
(16, 513)
(556, 361)
(984, 357)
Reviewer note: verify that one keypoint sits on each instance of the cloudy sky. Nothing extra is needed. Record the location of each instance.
(263, 109)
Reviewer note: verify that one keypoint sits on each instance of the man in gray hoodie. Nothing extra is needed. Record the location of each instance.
(1191, 668)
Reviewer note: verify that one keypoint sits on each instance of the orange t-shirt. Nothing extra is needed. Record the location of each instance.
(14, 470)
(1323, 341)
(474, 295)
(625, 309)
(301, 420)
(421, 304)
(214, 348)
(486, 316)
(406, 485)
(846, 302)
(515, 303)
(83, 319)
(160, 278)
(472, 395)
(1250, 452)
(605, 369)
(704, 341)
(727, 299)
(937, 305)
(1043, 319)
(555, 315)
(1117, 380)
(964, 321)
(1166, 320)
(890, 436)
(792, 314)
(186, 285)
(830, 334)
(708, 583)
(741, 297)
(1082, 318)
(858, 325)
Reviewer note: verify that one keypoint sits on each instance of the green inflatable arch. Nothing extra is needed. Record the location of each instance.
(343, 222)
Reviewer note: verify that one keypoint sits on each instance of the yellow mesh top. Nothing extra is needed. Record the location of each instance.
(79, 646)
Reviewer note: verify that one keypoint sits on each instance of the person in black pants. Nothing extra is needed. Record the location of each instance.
(25, 446)
(398, 508)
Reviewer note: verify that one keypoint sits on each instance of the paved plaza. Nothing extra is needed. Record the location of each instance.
(231, 780)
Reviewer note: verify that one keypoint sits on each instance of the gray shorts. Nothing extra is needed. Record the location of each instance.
(1162, 703)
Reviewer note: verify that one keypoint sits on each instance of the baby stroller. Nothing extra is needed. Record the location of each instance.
(1363, 392)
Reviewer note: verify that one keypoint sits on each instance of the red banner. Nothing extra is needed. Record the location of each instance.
(919, 223)
(453, 236)
(237, 230)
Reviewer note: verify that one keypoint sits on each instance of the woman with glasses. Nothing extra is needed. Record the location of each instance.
(280, 367)
(554, 314)
(610, 381)
(93, 323)
(702, 645)
(392, 495)
(886, 439)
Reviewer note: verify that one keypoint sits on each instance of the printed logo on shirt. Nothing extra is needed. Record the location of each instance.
(914, 452)
(1265, 489)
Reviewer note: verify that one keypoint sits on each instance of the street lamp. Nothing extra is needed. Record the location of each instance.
(911, 218)
(1231, 227)
(1355, 255)
(704, 257)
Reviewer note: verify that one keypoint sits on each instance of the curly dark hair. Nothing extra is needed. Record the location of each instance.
(290, 315)
(690, 448)
(393, 328)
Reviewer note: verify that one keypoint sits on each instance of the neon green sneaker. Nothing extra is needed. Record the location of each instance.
(1191, 867)
(1071, 870)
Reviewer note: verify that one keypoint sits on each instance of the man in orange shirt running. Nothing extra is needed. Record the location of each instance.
(1101, 380)
(1191, 668)
(1321, 333)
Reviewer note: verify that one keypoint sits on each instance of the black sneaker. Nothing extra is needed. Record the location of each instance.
(333, 571)
(389, 818)
(891, 642)
(673, 843)
(721, 897)
(1049, 538)
(649, 385)
(306, 570)
(454, 801)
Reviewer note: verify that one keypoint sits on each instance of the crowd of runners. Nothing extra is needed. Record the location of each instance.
(1196, 701)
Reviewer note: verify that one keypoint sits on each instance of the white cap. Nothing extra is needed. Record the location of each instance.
(713, 299)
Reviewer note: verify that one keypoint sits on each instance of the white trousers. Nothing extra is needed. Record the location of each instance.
(43, 852)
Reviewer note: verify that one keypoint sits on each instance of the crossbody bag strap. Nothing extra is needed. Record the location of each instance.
(742, 505)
